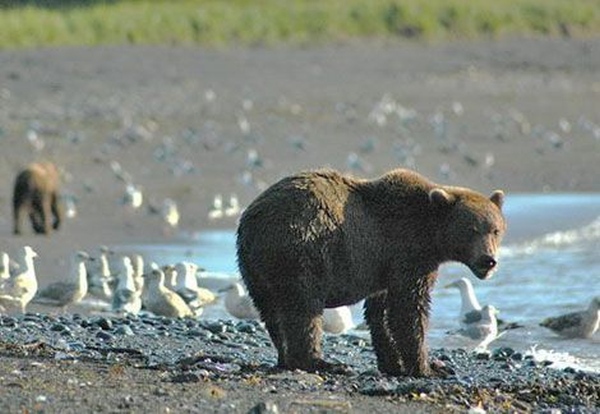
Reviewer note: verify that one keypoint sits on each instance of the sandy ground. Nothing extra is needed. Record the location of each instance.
(519, 114)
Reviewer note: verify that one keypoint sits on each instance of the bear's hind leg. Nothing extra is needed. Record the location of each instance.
(56, 211)
(270, 315)
(18, 218)
(37, 224)
(388, 358)
(302, 328)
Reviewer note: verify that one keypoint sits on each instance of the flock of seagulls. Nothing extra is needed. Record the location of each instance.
(481, 324)
(219, 210)
(113, 282)
(125, 284)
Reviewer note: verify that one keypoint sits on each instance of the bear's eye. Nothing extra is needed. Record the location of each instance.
(496, 232)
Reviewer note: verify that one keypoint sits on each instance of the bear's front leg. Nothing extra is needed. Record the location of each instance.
(388, 358)
(408, 320)
(56, 211)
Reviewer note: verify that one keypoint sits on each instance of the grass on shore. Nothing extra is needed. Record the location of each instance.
(214, 23)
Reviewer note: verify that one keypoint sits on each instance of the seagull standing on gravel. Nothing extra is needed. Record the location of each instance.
(4, 268)
(186, 285)
(63, 294)
(162, 301)
(22, 286)
(581, 324)
(483, 326)
(99, 276)
(238, 303)
(126, 299)
(137, 262)
(337, 320)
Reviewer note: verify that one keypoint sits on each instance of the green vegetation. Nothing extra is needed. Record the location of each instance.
(217, 23)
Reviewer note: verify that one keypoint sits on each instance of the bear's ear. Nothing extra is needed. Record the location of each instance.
(440, 197)
(497, 198)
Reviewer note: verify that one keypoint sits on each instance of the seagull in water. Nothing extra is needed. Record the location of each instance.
(22, 286)
(470, 307)
(63, 294)
(581, 324)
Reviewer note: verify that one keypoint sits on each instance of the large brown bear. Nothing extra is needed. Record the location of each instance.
(36, 194)
(320, 239)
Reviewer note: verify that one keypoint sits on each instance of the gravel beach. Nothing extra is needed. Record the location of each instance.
(72, 363)
(188, 124)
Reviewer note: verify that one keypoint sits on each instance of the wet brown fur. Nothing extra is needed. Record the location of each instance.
(36, 194)
(320, 239)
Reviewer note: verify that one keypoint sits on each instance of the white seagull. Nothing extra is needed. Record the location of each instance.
(469, 303)
(22, 286)
(238, 303)
(126, 298)
(216, 209)
(162, 301)
(170, 213)
(481, 326)
(65, 293)
(4, 268)
(337, 320)
(477, 323)
(100, 278)
(233, 207)
(133, 197)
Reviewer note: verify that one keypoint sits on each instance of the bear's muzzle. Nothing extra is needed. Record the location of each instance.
(484, 266)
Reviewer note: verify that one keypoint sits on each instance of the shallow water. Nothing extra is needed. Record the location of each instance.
(549, 265)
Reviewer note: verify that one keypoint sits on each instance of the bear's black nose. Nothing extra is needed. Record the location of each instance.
(487, 262)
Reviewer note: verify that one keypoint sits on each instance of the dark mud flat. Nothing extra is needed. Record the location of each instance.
(72, 363)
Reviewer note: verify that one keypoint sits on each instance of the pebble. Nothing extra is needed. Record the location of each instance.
(105, 336)
(124, 330)
(104, 323)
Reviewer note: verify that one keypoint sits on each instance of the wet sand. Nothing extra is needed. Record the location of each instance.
(519, 114)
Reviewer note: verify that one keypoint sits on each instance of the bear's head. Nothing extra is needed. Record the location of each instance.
(470, 228)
